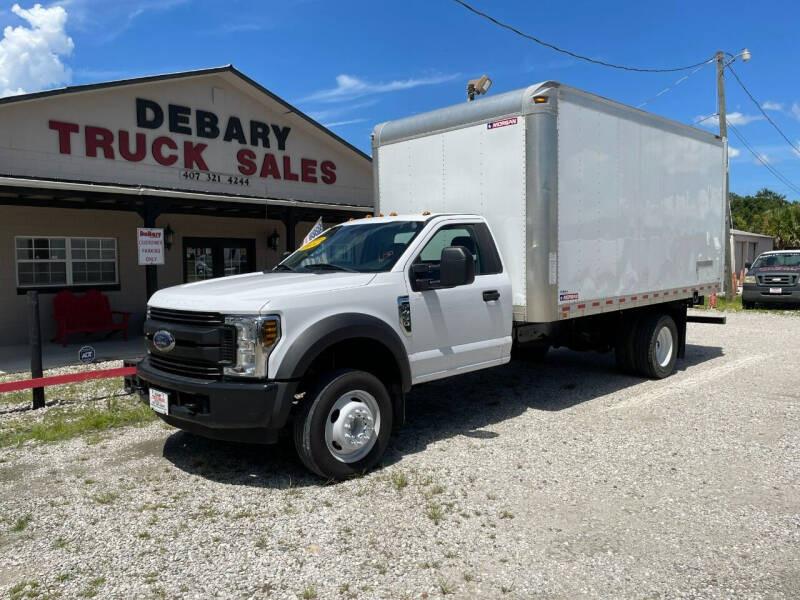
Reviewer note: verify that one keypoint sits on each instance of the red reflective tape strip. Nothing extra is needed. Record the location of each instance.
(581, 306)
(645, 296)
(565, 308)
(621, 300)
(635, 298)
(595, 304)
(25, 384)
(609, 302)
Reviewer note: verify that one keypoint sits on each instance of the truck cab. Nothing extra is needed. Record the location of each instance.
(773, 278)
(329, 341)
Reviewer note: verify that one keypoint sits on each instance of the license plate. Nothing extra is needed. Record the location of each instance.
(775, 290)
(159, 401)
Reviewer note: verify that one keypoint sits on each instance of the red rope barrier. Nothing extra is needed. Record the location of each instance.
(26, 384)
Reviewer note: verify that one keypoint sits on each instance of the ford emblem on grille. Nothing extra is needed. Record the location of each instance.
(163, 340)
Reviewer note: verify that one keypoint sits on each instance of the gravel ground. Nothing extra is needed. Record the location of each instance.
(554, 480)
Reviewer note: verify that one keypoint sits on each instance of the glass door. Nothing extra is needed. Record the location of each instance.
(206, 258)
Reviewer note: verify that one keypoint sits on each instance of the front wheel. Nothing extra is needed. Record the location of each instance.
(344, 425)
(748, 305)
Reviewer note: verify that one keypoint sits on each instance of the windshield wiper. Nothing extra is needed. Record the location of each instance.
(283, 266)
(329, 266)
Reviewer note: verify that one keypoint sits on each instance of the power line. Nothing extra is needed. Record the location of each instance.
(674, 85)
(573, 54)
(778, 175)
(763, 112)
(698, 121)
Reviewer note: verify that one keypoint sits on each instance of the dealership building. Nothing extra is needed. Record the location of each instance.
(234, 176)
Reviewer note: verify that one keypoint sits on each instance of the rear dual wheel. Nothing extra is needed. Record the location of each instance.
(648, 346)
(344, 425)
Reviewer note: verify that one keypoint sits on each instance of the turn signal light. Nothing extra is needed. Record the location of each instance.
(270, 332)
(539, 99)
(426, 213)
(368, 216)
(392, 214)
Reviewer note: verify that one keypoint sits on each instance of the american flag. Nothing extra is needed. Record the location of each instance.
(315, 231)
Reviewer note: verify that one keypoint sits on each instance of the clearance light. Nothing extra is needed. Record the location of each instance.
(380, 214)
(426, 213)
(392, 214)
(368, 216)
(539, 99)
(351, 219)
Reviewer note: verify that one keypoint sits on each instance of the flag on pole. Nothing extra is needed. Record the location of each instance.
(315, 231)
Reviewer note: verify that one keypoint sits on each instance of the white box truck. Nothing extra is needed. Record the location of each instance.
(537, 218)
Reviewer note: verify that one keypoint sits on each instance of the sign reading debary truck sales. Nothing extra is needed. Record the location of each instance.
(213, 133)
(168, 151)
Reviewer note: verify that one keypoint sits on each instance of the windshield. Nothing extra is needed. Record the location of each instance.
(365, 248)
(778, 260)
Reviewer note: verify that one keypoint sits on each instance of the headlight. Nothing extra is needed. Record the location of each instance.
(749, 278)
(255, 339)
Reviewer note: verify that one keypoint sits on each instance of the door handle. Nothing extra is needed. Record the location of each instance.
(490, 295)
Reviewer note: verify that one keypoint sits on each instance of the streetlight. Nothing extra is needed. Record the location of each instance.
(723, 133)
(480, 85)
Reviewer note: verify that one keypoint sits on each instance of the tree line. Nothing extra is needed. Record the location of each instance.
(769, 213)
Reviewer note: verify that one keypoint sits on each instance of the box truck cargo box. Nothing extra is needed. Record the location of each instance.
(596, 206)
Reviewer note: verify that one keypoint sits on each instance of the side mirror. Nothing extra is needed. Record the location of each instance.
(748, 265)
(457, 267)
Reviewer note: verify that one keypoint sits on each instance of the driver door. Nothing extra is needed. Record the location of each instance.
(465, 327)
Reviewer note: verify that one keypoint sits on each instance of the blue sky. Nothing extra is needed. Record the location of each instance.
(353, 63)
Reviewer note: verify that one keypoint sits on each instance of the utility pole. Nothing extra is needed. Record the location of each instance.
(723, 133)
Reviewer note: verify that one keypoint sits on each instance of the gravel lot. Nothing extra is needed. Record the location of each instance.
(554, 480)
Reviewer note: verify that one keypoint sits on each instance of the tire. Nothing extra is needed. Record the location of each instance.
(748, 305)
(656, 346)
(624, 347)
(341, 403)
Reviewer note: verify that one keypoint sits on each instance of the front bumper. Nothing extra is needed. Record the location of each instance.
(756, 293)
(232, 410)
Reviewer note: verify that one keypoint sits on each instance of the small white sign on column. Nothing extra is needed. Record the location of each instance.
(150, 241)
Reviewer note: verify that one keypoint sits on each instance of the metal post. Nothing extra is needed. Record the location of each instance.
(149, 214)
(723, 133)
(35, 342)
(290, 221)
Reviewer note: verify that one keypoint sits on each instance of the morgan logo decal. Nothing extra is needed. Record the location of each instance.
(568, 297)
(502, 123)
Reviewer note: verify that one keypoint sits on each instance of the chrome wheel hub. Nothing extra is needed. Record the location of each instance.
(352, 427)
(664, 345)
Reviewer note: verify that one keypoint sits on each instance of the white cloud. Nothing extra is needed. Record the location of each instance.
(769, 105)
(107, 19)
(335, 112)
(349, 87)
(796, 111)
(30, 57)
(340, 123)
(734, 118)
(764, 158)
(733, 152)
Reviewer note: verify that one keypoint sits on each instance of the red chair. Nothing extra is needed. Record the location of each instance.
(86, 314)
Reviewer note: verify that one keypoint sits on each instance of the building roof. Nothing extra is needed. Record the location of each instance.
(73, 89)
(750, 233)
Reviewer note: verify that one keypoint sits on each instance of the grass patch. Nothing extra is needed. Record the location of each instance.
(62, 424)
(722, 304)
(309, 593)
(105, 497)
(59, 543)
(445, 587)
(435, 513)
(22, 522)
(399, 480)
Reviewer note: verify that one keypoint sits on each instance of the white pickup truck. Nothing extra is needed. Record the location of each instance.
(588, 225)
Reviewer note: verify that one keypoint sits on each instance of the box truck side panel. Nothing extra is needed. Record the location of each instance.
(476, 169)
(640, 202)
